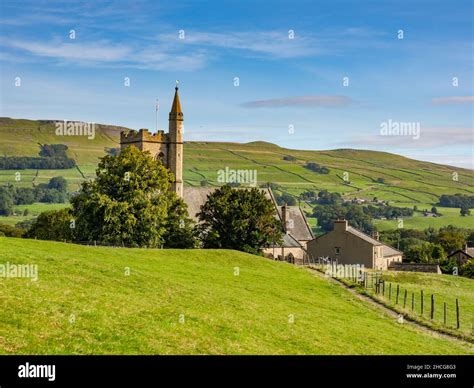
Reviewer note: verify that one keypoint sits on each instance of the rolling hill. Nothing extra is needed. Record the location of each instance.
(405, 182)
(136, 301)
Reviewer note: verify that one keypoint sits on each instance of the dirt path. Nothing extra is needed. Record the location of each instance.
(391, 313)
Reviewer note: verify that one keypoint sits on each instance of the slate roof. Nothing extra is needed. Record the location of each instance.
(387, 250)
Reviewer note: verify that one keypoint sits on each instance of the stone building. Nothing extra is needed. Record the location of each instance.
(168, 148)
(348, 245)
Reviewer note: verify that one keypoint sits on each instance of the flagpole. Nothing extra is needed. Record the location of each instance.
(156, 115)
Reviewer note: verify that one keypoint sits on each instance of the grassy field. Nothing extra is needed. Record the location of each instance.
(406, 181)
(33, 211)
(187, 302)
(445, 288)
(448, 216)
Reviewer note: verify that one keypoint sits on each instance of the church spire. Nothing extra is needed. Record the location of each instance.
(176, 113)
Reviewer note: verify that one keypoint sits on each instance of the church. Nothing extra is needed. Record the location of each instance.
(169, 147)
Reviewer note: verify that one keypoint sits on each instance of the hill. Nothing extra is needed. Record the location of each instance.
(404, 181)
(187, 302)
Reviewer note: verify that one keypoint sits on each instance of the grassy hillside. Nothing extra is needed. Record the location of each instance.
(187, 301)
(445, 288)
(406, 181)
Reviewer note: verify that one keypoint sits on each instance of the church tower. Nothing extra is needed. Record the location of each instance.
(165, 147)
(175, 153)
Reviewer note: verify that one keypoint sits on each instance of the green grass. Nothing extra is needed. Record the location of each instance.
(34, 210)
(445, 288)
(83, 303)
(407, 181)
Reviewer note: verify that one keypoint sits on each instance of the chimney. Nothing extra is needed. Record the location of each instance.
(284, 216)
(340, 225)
(375, 235)
(465, 247)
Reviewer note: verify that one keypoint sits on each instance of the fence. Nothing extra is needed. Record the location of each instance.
(417, 304)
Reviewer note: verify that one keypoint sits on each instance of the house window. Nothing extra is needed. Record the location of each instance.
(337, 250)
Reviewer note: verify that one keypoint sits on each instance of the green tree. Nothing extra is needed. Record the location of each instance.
(59, 183)
(6, 201)
(241, 219)
(180, 229)
(53, 225)
(467, 269)
(465, 211)
(450, 239)
(127, 202)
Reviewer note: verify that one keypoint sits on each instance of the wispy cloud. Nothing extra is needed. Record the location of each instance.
(453, 100)
(265, 43)
(105, 52)
(301, 101)
(95, 52)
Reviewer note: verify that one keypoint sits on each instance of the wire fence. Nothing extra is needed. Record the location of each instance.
(417, 304)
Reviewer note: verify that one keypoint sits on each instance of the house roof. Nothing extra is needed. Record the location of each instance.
(468, 252)
(387, 250)
(288, 241)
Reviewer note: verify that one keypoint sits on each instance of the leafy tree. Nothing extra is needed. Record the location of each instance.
(354, 214)
(434, 210)
(467, 269)
(180, 229)
(286, 198)
(127, 203)
(465, 211)
(26, 212)
(242, 219)
(6, 201)
(53, 225)
(10, 231)
(450, 239)
(58, 183)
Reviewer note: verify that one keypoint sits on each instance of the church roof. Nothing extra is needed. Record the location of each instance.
(176, 107)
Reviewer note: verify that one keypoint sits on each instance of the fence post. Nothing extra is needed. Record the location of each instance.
(444, 314)
(372, 277)
(405, 298)
(421, 302)
(412, 301)
(398, 290)
(457, 314)
(432, 307)
(383, 287)
(390, 292)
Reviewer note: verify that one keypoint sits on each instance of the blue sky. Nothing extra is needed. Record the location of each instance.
(286, 80)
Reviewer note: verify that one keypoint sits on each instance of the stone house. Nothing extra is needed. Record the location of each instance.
(348, 245)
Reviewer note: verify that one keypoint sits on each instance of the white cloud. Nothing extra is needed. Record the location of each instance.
(301, 101)
(453, 100)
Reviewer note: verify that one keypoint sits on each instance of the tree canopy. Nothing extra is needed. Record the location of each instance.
(241, 219)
